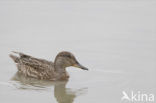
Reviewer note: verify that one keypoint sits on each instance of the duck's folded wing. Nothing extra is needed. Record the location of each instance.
(34, 62)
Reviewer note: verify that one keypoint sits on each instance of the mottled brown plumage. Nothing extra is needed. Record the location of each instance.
(43, 69)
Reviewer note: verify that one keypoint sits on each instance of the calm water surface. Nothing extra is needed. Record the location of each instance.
(116, 40)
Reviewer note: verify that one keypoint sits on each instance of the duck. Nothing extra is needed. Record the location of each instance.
(42, 69)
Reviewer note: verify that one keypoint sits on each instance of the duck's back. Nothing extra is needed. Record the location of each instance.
(34, 67)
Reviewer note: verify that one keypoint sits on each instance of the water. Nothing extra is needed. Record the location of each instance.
(116, 40)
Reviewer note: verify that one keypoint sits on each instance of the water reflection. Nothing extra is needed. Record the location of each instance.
(61, 93)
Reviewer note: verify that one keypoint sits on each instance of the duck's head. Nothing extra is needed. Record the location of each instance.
(65, 59)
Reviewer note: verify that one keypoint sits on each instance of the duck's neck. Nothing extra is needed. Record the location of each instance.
(60, 69)
(60, 65)
(61, 73)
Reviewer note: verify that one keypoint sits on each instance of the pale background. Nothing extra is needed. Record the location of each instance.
(115, 39)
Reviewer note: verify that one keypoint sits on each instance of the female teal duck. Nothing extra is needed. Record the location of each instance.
(46, 70)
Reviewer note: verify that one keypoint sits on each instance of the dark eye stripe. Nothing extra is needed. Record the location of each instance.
(69, 56)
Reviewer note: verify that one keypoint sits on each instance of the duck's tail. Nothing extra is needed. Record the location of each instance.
(14, 58)
(19, 53)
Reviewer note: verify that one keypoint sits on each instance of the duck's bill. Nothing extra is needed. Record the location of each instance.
(80, 66)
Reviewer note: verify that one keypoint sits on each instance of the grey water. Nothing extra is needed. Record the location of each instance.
(115, 39)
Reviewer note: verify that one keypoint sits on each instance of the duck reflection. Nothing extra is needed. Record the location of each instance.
(61, 93)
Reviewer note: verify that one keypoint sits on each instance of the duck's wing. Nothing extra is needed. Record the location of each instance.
(35, 63)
